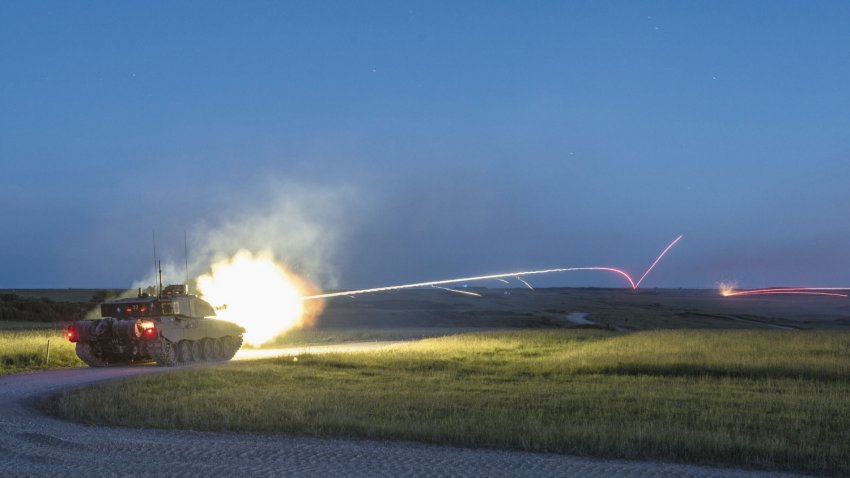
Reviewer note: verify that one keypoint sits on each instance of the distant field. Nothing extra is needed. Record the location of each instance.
(612, 309)
(763, 399)
(23, 350)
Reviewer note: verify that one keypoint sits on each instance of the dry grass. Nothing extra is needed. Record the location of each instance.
(22, 350)
(769, 400)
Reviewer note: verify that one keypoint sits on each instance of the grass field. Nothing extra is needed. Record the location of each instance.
(762, 399)
(316, 336)
(22, 350)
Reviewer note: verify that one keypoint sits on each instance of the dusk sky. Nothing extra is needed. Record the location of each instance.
(403, 141)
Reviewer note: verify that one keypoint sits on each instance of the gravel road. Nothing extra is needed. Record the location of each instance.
(32, 444)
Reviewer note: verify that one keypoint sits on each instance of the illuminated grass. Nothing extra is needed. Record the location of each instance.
(769, 400)
(24, 350)
(360, 334)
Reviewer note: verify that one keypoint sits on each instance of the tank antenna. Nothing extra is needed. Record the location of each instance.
(186, 258)
(159, 264)
(155, 261)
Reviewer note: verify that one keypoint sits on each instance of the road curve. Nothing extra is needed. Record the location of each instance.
(32, 444)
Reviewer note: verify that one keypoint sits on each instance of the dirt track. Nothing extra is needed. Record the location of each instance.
(32, 444)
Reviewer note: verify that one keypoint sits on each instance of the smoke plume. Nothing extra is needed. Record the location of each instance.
(300, 225)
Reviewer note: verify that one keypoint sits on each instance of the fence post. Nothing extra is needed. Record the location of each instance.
(47, 360)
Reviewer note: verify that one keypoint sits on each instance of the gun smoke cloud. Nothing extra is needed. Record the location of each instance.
(257, 258)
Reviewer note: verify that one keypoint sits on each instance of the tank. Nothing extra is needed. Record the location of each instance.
(173, 328)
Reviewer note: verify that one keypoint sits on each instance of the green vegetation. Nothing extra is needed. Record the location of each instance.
(29, 317)
(763, 399)
(317, 336)
(323, 336)
(23, 307)
(23, 350)
(22, 325)
(64, 295)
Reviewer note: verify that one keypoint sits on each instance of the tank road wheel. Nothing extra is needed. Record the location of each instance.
(218, 349)
(163, 352)
(184, 351)
(209, 349)
(197, 351)
(226, 344)
(231, 346)
(87, 355)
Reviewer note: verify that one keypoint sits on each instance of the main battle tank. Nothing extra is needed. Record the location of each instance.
(171, 329)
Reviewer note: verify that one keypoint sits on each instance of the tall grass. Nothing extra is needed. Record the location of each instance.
(769, 400)
(335, 335)
(23, 350)
(820, 355)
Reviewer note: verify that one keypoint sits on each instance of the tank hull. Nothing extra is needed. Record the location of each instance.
(166, 340)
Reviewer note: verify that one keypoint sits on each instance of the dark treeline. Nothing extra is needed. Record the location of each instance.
(16, 308)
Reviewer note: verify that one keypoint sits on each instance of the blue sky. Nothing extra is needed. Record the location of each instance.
(475, 136)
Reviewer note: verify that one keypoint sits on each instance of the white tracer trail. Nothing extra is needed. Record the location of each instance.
(625, 275)
(524, 282)
(457, 291)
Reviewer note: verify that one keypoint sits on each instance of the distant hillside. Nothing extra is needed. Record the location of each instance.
(64, 295)
(50, 305)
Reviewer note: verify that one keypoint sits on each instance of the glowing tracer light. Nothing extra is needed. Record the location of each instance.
(468, 279)
(728, 291)
(657, 260)
(517, 275)
(465, 292)
(524, 282)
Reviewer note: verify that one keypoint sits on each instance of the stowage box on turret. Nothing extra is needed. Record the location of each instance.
(171, 329)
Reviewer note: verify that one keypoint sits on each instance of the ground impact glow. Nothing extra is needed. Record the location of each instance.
(729, 291)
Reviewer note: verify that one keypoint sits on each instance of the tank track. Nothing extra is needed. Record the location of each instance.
(164, 352)
(168, 354)
(87, 355)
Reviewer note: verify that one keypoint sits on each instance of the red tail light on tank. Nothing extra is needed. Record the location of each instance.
(147, 330)
(71, 334)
